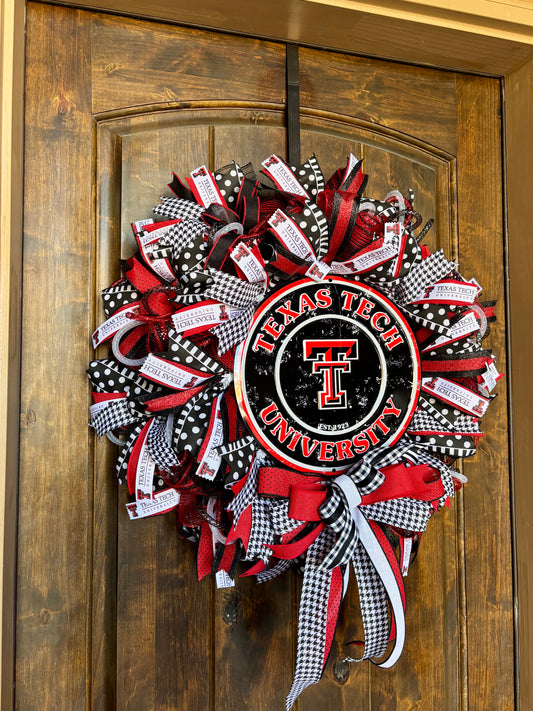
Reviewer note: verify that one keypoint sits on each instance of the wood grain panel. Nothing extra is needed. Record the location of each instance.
(251, 135)
(396, 96)
(137, 63)
(103, 562)
(163, 617)
(431, 587)
(331, 141)
(53, 549)
(254, 624)
(481, 45)
(486, 496)
(12, 28)
(389, 171)
(519, 151)
(149, 157)
(254, 644)
(156, 622)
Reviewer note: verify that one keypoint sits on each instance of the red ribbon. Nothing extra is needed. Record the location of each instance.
(471, 365)
(153, 312)
(305, 501)
(420, 482)
(168, 402)
(294, 549)
(276, 482)
(307, 493)
(140, 276)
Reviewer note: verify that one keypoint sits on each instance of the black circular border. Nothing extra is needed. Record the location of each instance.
(240, 385)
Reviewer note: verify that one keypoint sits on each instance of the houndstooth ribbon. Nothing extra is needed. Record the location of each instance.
(178, 209)
(312, 618)
(239, 294)
(178, 237)
(389, 487)
(232, 290)
(423, 274)
(118, 413)
(235, 330)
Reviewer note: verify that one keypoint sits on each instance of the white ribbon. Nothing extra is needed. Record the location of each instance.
(380, 562)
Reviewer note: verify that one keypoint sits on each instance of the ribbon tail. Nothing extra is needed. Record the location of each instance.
(294, 549)
(319, 604)
(377, 580)
(378, 577)
(269, 573)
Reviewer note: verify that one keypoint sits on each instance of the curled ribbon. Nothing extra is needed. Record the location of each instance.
(380, 561)
(356, 539)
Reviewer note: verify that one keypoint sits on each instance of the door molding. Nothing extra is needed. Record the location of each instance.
(481, 38)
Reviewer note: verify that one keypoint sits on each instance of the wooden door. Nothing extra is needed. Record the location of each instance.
(108, 611)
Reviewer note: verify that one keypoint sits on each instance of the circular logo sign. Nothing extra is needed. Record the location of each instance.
(329, 371)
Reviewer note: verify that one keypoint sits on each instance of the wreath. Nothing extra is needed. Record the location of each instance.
(293, 373)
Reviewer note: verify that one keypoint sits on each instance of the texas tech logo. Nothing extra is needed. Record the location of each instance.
(328, 371)
(200, 173)
(240, 252)
(331, 359)
(269, 162)
(277, 218)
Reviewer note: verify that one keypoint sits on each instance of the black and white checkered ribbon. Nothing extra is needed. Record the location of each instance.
(424, 274)
(335, 514)
(118, 413)
(368, 476)
(350, 537)
(270, 573)
(160, 443)
(370, 545)
(233, 291)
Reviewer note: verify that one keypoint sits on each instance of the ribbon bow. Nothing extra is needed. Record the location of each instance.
(363, 544)
(336, 523)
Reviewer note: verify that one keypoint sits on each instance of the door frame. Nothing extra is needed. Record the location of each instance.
(485, 37)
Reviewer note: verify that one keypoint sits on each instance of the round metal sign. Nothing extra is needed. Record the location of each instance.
(329, 371)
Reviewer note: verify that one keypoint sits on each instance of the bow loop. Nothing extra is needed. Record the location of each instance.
(305, 502)
(336, 514)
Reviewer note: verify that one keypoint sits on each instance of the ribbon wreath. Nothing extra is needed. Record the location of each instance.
(165, 393)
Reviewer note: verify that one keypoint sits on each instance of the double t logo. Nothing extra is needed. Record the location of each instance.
(331, 358)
